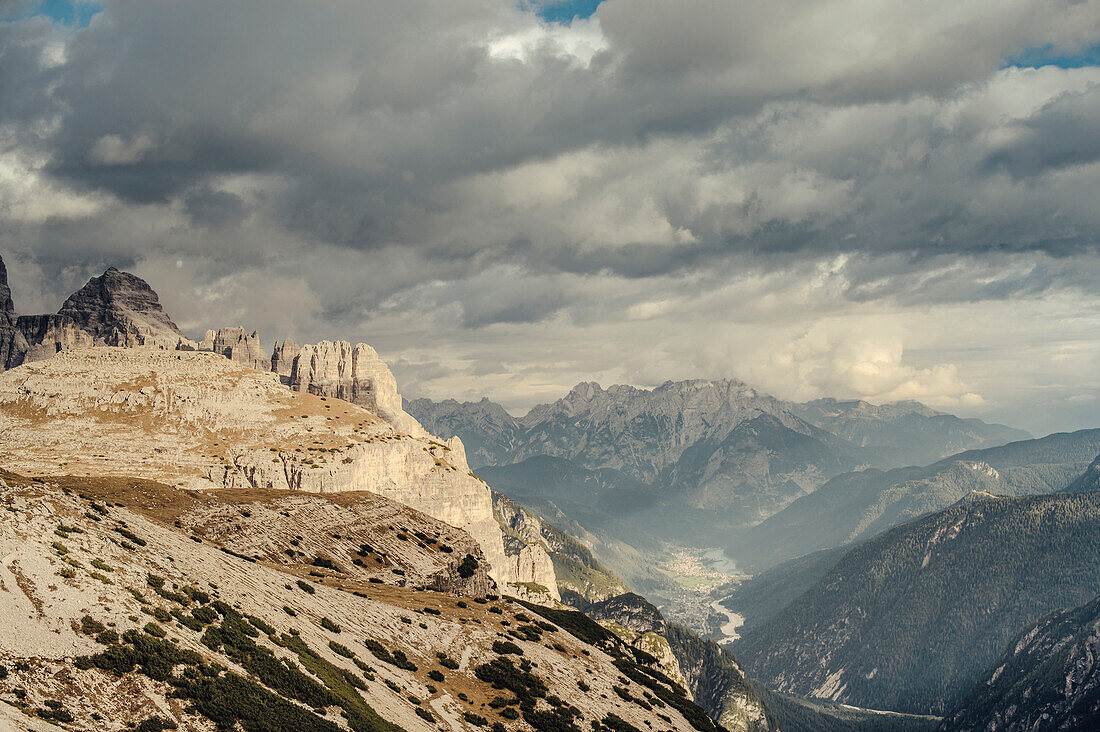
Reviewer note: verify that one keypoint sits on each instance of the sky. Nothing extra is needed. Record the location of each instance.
(868, 199)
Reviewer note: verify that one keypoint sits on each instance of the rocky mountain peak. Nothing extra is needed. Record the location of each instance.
(121, 309)
(238, 345)
(7, 307)
(13, 345)
(355, 374)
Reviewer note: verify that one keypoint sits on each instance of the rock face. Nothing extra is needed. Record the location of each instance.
(51, 334)
(1047, 678)
(709, 672)
(192, 418)
(238, 346)
(282, 359)
(524, 548)
(281, 632)
(355, 374)
(13, 344)
(120, 309)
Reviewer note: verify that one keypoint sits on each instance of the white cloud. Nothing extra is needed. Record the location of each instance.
(114, 150)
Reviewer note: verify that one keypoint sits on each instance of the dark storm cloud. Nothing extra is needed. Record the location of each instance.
(1062, 134)
(213, 208)
(395, 171)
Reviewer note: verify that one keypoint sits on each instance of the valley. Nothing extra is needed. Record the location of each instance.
(189, 522)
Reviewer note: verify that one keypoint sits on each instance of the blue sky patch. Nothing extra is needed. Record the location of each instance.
(67, 12)
(1048, 56)
(565, 11)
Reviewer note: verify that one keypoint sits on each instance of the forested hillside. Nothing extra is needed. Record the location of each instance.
(909, 620)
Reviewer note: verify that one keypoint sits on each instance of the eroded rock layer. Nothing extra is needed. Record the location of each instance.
(193, 418)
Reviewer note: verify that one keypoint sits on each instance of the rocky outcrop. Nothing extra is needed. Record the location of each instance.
(190, 419)
(48, 335)
(237, 345)
(282, 358)
(120, 309)
(13, 344)
(355, 374)
(278, 642)
(1048, 678)
(525, 549)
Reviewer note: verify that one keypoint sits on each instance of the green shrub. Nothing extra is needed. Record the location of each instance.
(107, 637)
(341, 650)
(329, 625)
(91, 626)
(506, 647)
(475, 719)
(306, 587)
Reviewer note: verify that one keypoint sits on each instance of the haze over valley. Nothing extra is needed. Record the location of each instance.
(549, 366)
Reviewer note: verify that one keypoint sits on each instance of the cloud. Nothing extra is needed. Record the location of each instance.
(656, 191)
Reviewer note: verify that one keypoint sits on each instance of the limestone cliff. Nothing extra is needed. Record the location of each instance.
(355, 374)
(282, 358)
(13, 345)
(192, 418)
(47, 335)
(237, 345)
(525, 549)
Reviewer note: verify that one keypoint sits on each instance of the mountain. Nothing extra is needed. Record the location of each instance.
(856, 506)
(1048, 678)
(200, 420)
(734, 454)
(713, 676)
(693, 458)
(762, 596)
(908, 431)
(120, 309)
(759, 467)
(641, 432)
(795, 714)
(159, 608)
(909, 620)
(1088, 480)
(13, 344)
(488, 431)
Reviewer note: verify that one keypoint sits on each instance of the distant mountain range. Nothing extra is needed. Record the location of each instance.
(856, 506)
(909, 620)
(720, 447)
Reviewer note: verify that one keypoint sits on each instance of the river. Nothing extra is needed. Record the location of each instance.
(729, 628)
